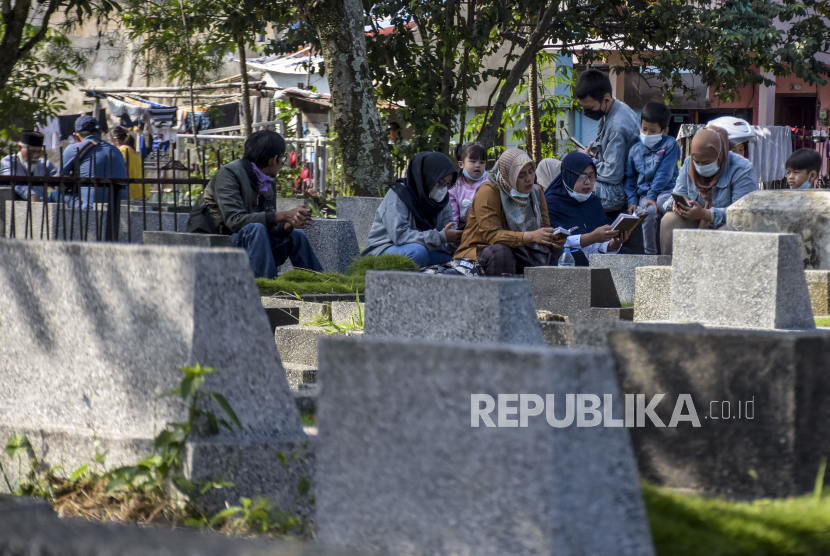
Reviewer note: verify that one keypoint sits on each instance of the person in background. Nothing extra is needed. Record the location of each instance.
(546, 171)
(739, 131)
(126, 144)
(651, 169)
(572, 204)
(508, 228)
(711, 179)
(393, 130)
(28, 161)
(239, 201)
(472, 158)
(803, 167)
(92, 157)
(415, 217)
(618, 131)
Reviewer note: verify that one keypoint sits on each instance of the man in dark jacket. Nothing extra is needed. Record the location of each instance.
(240, 201)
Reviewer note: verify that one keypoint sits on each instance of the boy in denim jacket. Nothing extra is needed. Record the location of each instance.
(651, 169)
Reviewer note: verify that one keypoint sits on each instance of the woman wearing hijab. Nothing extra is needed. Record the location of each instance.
(572, 204)
(415, 217)
(712, 178)
(547, 171)
(507, 228)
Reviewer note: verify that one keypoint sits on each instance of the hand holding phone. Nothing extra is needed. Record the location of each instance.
(681, 200)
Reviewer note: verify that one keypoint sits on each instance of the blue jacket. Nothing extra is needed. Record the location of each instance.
(11, 165)
(617, 133)
(737, 181)
(651, 172)
(109, 162)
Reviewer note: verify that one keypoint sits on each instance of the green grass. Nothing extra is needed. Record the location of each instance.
(685, 525)
(823, 321)
(301, 282)
(627, 304)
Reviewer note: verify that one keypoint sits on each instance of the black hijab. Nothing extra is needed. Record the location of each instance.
(564, 210)
(424, 171)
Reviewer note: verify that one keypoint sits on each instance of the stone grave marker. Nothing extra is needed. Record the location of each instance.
(576, 292)
(401, 470)
(818, 284)
(191, 240)
(652, 293)
(450, 308)
(740, 279)
(623, 270)
(361, 211)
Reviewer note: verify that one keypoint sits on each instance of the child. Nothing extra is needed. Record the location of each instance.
(472, 158)
(651, 169)
(803, 167)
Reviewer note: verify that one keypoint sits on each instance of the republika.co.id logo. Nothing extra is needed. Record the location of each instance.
(588, 410)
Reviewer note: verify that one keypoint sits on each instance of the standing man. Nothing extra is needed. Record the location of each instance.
(29, 161)
(92, 157)
(619, 130)
(239, 201)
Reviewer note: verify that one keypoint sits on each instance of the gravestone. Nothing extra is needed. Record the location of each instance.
(284, 204)
(308, 310)
(170, 222)
(818, 284)
(623, 270)
(576, 292)
(118, 321)
(41, 220)
(652, 293)
(334, 243)
(742, 279)
(450, 308)
(6, 195)
(361, 211)
(402, 471)
(803, 213)
(191, 240)
(759, 397)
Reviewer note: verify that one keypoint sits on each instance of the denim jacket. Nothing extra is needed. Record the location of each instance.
(737, 181)
(617, 133)
(650, 172)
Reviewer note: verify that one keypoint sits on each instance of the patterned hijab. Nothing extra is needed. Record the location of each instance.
(522, 213)
(713, 144)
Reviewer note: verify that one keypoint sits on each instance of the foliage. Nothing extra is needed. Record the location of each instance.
(823, 321)
(142, 492)
(301, 282)
(685, 525)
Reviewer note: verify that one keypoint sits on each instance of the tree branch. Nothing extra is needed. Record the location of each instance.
(44, 27)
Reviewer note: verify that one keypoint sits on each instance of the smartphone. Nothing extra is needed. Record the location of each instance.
(680, 200)
(578, 145)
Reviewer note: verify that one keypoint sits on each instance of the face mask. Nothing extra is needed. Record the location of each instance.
(581, 197)
(467, 175)
(650, 141)
(516, 195)
(594, 114)
(438, 193)
(707, 170)
(805, 185)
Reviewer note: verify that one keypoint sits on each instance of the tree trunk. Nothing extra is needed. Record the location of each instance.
(247, 121)
(14, 21)
(491, 127)
(367, 164)
(535, 128)
(447, 71)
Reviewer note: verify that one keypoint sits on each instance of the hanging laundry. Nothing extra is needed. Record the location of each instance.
(770, 152)
(52, 132)
(163, 117)
(120, 108)
(67, 125)
(228, 115)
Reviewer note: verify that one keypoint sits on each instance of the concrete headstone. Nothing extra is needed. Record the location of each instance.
(759, 397)
(402, 471)
(92, 333)
(652, 293)
(191, 240)
(450, 308)
(623, 270)
(334, 243)
(361, 211)
(576, 292)
(803, 213)
(741, 279)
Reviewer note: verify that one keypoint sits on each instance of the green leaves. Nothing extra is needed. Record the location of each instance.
(18, 446)
(226, 407)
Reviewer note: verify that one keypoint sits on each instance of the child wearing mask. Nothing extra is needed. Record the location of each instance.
(651, 169)
(472, 159)
(803, 167)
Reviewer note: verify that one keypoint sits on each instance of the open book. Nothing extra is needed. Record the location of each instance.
(560, 232)
(629, 222)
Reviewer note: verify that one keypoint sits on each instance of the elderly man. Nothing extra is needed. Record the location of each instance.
(29, 161)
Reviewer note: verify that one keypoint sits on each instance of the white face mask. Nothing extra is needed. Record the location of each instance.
(581, 197)
(517, 195)
(707, 170)
(650, 141)
(438, 193)
(805, 185)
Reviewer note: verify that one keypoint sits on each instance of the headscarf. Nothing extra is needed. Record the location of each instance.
(564, 210)
(547, 171)
(423, 172)
(713, 143)
(522, 214)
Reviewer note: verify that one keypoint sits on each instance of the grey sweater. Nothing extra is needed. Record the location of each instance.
(395, 225)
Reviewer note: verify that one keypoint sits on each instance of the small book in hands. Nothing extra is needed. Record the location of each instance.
(629, 222)
(560, 232)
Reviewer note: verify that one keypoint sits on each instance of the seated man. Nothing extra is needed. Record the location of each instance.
(29, 161)
(239, 201)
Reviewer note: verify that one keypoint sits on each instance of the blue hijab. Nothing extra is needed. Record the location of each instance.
(566, 211)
